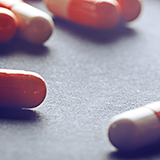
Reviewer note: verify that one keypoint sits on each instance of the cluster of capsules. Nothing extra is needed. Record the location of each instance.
(35, 26)
(19, 88)
(99, 14)
(128, 131)
(32, 24)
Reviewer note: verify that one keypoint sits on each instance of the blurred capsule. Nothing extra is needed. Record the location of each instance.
(130, 9)
(100, 14)
(35, 26)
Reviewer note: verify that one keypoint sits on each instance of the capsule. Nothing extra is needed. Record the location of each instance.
(100, 14)
(35, 26)
(136, 129)
(8, 25)
(21, 89)
(130, 9)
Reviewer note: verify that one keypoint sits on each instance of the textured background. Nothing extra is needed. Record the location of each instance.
(91, 76)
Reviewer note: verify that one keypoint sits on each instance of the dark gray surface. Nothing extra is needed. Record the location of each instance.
(91, 76)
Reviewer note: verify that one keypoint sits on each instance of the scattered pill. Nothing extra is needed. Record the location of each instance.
(130, 9)
(8, 25)
(137, 128)
(100, 14)
(35, 26)
(21, 89)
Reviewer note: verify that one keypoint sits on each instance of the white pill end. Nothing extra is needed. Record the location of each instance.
(122, 134)
(134, 129)
(35, 26)
(39, 30)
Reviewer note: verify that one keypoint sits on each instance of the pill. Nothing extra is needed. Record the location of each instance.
(21, 89)
(100, 14)
(35, 26)
(130, 9)
(136, 128)
(8, 25)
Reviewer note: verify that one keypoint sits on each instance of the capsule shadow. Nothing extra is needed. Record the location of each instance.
(18, 45)
(152, 151)
(95, 35)
(19, 114)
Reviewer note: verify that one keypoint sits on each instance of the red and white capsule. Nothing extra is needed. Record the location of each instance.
(137, 128)
(21, 89)
(35, 26)
(100, 14)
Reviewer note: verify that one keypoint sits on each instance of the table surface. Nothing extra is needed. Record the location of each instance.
(91, 76)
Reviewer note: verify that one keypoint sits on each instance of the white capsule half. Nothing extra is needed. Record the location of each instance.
(134, 129)
(35, 26)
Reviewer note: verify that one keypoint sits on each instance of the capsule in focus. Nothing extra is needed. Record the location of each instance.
(100, 14)
(136, 129)
(35, 26)
(21, 89)
(8, 25)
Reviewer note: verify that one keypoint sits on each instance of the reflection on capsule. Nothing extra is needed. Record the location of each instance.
(137, 128)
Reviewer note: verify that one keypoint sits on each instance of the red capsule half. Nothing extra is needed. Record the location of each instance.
(21, 89)
(130, 9)
(8, 25)
(100, 14)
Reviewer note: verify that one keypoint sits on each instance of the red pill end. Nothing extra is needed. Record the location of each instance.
(108, 14)
(100, 15)
(130, 9)
(21, 89)
(8, 25)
